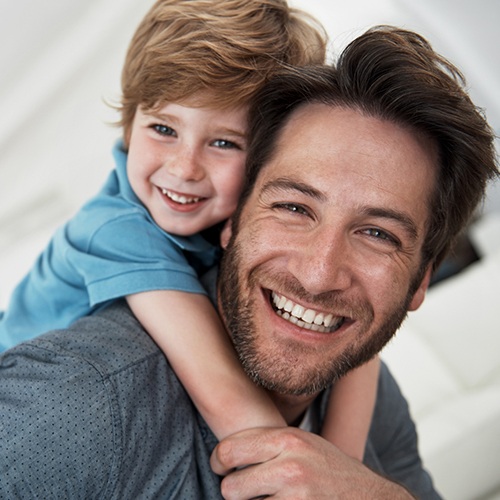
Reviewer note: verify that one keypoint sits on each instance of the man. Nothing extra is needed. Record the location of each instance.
(359, 179)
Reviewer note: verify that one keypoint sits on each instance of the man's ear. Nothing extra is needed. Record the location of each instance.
(419, 295)
(226, 234)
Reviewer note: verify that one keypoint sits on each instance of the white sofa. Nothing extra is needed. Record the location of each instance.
(446, 358)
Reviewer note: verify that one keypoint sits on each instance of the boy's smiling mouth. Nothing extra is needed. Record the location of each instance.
(179, 198)
(305, 318)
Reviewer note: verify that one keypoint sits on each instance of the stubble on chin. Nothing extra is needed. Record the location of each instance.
(289, 368)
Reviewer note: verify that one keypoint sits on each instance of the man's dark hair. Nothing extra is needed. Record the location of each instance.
(394, 75)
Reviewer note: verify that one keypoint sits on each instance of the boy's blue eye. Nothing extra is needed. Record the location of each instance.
(224, 144)
(163, 129)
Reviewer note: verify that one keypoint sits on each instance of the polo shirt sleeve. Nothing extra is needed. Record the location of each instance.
(126, 255)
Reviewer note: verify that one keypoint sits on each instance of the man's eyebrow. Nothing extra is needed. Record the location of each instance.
(386, 213)
(287, 184)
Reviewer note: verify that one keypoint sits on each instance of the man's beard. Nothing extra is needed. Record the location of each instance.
(282, 369)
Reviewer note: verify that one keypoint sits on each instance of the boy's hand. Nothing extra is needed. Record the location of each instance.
(291, 463)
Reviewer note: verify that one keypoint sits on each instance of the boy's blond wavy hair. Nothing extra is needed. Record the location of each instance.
(225, 49)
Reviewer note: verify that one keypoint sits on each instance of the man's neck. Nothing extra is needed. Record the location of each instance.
(292, 407)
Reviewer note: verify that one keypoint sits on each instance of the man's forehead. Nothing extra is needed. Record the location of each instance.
(311, 121)
(282, 145)
(331, 148)
(320, 132)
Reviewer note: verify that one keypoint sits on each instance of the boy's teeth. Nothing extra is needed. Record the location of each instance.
(179, 198)
(305, 318)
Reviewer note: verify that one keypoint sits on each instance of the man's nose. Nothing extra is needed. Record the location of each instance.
(323, 263)
(186, 163)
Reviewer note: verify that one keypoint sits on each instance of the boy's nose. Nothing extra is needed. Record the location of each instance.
(186, 165)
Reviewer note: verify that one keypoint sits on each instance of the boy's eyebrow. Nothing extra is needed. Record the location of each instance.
(161, 116)
(232, 131)
(286, 184)
(151, 114)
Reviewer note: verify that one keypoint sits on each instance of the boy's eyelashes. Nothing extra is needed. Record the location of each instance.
(166, 131)
(226, 144)
(163, 129)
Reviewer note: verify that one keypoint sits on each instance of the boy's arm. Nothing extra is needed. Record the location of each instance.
(350, 409)
(189, 331)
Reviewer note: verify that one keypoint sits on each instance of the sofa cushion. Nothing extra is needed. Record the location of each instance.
(423, 378)
(459, 319)
(485, 234)
(459, 443)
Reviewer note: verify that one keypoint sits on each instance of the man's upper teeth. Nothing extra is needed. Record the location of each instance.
(179, 198)
(306, 318)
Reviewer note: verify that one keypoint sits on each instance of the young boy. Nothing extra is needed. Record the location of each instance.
(189, 75)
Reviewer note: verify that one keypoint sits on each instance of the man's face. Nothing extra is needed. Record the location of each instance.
(317, 277)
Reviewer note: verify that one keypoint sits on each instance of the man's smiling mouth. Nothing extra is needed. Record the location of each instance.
(305, 318)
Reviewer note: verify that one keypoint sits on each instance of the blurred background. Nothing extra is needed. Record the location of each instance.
(61, 63)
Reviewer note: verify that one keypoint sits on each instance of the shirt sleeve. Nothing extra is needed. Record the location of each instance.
(57, 429)
(128, 254)
(95, 412)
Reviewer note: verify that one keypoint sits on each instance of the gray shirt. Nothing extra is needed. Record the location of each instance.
(95, 411)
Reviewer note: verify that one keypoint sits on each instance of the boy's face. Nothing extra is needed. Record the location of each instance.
(186, 164)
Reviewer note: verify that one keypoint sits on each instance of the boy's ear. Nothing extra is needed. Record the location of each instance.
(419, 295)
(226, 233)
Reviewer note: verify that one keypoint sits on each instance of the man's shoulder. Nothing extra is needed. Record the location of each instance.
(61, 408)
(111, 340)
(96, 408)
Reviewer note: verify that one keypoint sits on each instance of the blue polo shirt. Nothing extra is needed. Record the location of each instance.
(110, 249)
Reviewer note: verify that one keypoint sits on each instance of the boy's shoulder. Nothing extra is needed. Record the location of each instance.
(105, 217)
(109, 208)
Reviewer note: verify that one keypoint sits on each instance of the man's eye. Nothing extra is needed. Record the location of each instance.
(379, 234)
(225, 144)
(292, 207)
(163, 130)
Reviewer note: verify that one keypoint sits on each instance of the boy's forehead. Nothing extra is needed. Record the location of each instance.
(192, 115)
(206, 99)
